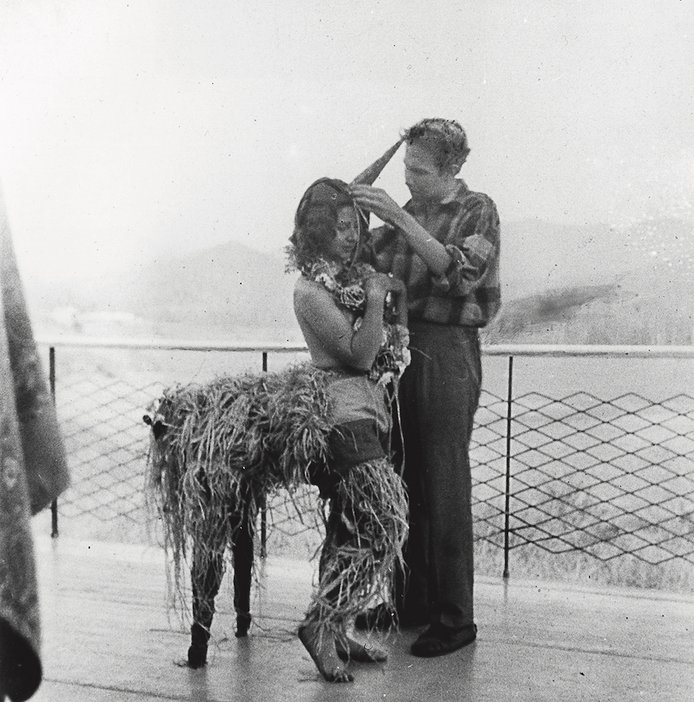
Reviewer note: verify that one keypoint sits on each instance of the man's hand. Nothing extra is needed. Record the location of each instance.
(379, 202)
(424, 244)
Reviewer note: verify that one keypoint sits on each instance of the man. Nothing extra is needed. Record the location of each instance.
(444, 244)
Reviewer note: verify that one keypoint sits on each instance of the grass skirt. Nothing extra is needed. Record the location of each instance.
(365, 533)
(233, 443)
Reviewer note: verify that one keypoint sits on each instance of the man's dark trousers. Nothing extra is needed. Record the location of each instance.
(439, 393)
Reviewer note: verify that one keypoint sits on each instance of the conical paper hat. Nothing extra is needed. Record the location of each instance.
(368, 176)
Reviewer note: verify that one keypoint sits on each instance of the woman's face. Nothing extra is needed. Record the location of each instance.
(341, 248)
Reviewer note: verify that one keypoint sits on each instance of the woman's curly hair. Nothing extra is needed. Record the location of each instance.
(316, 221)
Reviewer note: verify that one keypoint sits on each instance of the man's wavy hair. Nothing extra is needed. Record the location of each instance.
(315, 221)
(445, 138)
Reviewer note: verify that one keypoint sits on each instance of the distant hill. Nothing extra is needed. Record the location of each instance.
(537, 255)
(229, 290)
(596, 284)
(561, 284)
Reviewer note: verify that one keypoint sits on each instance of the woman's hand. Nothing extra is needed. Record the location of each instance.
(379, 285)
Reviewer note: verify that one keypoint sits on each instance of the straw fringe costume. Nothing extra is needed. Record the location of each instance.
(33, 472)
(359, 487)
(220, 450)
(224, 447)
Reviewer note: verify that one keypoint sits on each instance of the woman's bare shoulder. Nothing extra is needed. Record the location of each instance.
(309, 290)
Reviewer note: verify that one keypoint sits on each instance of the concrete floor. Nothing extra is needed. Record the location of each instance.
(108, 637)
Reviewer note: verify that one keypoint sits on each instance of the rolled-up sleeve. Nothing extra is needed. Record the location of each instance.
(472, 244)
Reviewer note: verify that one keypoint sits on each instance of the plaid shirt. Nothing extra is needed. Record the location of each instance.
(469, 293)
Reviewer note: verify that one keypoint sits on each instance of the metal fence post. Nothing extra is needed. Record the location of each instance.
(51, 381)
(263, 509)
(507, 505)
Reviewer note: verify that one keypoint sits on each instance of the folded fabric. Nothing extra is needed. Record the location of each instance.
(355, 442)
(33, 472)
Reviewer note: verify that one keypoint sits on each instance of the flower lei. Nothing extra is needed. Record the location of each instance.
(347, 288)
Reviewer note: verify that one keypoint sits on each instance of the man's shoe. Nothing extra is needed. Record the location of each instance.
(438, 640)
(380, 617)
(411, 620)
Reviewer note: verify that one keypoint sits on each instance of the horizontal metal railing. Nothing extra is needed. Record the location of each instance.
(546, 350)
(607, 477)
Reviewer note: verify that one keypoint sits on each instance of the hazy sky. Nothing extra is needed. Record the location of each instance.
(135, 129)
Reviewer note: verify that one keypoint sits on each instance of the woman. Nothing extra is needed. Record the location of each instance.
(354, 323)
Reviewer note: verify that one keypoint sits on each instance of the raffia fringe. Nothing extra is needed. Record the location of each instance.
(236, 442)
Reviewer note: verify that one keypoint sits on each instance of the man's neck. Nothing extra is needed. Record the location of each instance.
(451, 190)
(448, 194)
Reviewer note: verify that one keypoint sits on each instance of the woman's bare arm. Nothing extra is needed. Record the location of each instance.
(332, 329)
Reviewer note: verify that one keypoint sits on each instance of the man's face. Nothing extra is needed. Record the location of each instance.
(423, 177)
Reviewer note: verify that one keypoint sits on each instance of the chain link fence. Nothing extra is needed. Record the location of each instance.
(607, 477)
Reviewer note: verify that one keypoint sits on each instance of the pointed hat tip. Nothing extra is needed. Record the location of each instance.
(369, 175)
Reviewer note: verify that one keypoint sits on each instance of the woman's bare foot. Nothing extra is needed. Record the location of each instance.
(322, 650)
(360, 652)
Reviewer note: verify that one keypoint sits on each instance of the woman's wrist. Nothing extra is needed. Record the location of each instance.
(375, 302)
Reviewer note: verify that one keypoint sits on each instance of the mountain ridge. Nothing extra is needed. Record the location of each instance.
(547, 270)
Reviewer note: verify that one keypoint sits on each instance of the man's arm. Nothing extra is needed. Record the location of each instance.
(420, 241)
(474, 249)
(458, 267)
